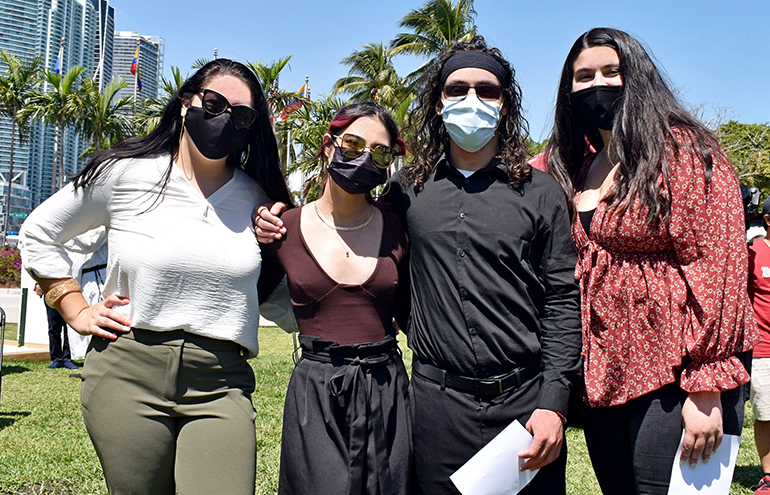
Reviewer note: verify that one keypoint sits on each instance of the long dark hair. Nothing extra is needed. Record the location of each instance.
(429, 138)
(641, 133)
(262, 163)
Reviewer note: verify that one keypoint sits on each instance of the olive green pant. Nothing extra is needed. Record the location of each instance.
(170, 411)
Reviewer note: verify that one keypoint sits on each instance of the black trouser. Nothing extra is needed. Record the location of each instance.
(451, 426)
(58, 341)
(632, 446)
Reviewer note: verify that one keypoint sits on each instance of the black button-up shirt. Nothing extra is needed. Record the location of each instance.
(492, 273)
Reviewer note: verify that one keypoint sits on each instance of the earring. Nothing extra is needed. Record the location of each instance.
(245, 155)
(181, 131)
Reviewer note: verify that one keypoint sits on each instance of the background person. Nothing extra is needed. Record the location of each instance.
(662, 265)
(346, 425)
(166, 387)
(58, 340)
(759, 292)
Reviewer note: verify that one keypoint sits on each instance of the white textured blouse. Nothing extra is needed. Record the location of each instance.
(184, 261)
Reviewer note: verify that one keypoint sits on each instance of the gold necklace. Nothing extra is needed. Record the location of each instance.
(340, 228)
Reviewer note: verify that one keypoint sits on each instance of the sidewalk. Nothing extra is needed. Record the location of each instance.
(28, 352)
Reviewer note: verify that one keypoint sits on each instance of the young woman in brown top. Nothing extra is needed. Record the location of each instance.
(346, 424)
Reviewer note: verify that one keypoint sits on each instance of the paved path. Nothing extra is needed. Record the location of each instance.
(10, 301)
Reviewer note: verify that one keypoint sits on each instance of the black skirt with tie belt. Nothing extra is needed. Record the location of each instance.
(347, 423)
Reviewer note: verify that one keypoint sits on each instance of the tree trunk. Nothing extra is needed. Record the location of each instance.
(9, 183)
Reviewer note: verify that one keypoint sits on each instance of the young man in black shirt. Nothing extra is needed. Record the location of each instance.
(495, 317)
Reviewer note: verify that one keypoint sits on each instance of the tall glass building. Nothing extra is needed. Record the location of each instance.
(150, 62)
(82, 31)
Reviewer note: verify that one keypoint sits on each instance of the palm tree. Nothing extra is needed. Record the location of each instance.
(372, 77)
(308, 124)
(151, 109)
(15, 86)
(105, 121)
(435, 26)
(61, 104)
(268, 75)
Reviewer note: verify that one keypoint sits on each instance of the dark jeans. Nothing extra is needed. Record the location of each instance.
(632, 446)
(58, 341)
(451, 426)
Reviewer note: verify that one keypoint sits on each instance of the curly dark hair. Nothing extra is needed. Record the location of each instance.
(429, 139)
(641, 133)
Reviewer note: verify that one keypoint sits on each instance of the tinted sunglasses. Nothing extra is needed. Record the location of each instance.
(458, 91)
(353, 146)
(216, 104)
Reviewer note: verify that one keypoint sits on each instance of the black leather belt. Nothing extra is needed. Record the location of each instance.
(95, 268)
(494, 385)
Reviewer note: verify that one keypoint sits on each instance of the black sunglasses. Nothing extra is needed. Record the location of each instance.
(485, 92)
(216, 104)
(353, 146)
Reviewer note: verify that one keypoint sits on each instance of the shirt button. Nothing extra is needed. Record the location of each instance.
(484, 369)
(462, 254)
(467, 181)
(462, 215)
(464, 293)
(473, 331)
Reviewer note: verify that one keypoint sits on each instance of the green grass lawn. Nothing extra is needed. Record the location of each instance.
(44, 447)
(10, 331)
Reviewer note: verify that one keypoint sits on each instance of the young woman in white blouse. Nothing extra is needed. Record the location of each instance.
(166, 390)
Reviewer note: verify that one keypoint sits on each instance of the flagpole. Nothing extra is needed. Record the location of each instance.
(136, 73)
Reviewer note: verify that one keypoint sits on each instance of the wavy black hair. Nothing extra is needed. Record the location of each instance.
(641, 133)
(429, 138)
(263, 164)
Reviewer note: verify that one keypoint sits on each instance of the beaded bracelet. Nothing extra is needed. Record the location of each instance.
(58, 291)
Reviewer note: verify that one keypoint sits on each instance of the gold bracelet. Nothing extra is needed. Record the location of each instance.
(59, 290)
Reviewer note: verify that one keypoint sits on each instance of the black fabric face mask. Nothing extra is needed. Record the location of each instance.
(598, 104)
(356, 175)
(215, 136)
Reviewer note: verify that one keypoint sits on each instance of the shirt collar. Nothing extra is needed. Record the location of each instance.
(443, 168)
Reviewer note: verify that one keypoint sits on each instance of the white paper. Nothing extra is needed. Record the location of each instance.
(713, 478)
(494, 470)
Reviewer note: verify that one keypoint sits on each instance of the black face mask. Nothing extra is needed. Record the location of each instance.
(215, 136)
(356, 175)
(598, 104)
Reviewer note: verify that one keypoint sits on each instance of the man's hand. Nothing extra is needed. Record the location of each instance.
(548, 429)
(38, 290)
(266, 222)
(702, 418)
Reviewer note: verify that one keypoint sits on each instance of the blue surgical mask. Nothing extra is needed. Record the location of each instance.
(471, 122)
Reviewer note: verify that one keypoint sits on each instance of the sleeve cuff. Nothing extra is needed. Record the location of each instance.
(554, 398)
(714, 377)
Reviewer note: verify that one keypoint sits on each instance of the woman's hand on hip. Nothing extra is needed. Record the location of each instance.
(702, 419)
(101, 320)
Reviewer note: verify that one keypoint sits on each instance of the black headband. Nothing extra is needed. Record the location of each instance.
(477, 59)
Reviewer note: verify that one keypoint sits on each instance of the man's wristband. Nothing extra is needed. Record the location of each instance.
(59, 290)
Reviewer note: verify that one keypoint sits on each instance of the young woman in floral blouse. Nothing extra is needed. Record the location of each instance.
(662, 265)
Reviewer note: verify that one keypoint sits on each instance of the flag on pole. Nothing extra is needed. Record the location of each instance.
(57, 65)
(295, 103)
(135, 69)
(135, 62)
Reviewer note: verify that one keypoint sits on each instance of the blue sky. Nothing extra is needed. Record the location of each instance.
(715, 53)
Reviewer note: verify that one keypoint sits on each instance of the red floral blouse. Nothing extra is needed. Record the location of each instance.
(670, 304)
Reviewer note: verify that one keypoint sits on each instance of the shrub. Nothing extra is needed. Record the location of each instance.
(10, 266)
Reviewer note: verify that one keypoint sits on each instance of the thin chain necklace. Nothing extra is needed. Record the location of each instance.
(345, 246)
(340, 228)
